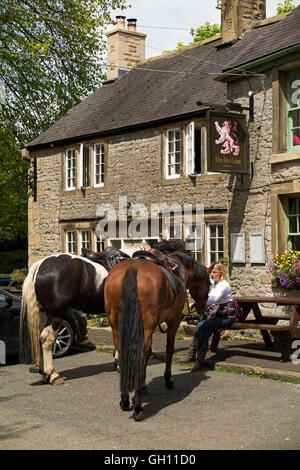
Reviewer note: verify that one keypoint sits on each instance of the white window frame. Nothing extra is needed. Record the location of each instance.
(208, 244)
(71, 160)
(168, 164)
(190, 149)
(74, 232)
(102, 162)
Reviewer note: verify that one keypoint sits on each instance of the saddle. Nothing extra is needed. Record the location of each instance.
(107, 258)
(169, 267)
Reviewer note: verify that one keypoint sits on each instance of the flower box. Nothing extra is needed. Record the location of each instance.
(285, 269)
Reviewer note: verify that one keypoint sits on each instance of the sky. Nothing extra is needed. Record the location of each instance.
(154, 15)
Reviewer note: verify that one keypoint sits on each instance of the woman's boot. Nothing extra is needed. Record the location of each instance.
(202, 347)
(190, 355)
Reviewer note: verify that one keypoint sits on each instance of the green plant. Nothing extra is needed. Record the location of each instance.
(286, 6)
(18, 275)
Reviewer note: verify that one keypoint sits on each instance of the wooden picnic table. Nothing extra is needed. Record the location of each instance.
(268, 323)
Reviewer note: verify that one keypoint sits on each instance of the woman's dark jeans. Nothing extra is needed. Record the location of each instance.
(209, 326)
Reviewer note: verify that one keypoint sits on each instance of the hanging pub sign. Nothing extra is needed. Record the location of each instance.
(227, 151)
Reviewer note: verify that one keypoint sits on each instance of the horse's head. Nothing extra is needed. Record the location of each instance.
(197, 280)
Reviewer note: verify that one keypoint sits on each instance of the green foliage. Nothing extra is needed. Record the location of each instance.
(287, 5)
(13, 186)
(19, 275)
(205, 31)
(49, 61)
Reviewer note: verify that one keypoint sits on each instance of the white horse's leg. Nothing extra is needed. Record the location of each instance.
(47, 339)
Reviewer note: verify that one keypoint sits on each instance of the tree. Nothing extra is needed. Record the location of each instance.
(288, 5)
(207, 30)
(49, 57)
(13, 187)
(50, 51)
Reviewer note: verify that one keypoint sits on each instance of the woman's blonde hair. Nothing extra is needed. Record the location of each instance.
(219, 267)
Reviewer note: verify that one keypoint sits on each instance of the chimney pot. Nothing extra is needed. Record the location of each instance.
(131, 24)
(120, 22)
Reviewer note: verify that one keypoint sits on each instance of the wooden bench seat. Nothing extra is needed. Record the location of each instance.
(267, 324)
(259, 326)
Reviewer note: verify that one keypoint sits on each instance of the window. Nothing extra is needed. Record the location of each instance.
(293, 110)
(194, 240)
(71, 242)
(71, 169)
(215, 243)
(292, 212)
(99, 243)
(173, 154)
(99, 165)
(85, 166)
(85, 239)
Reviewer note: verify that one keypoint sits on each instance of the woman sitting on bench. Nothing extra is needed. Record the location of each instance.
(222, 312)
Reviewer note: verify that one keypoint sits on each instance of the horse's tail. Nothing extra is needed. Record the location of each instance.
(29, 337)
(131, 334)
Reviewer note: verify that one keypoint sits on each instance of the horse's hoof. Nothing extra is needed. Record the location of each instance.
(170, 384)
(139, 416)
(125, 406)
(45, 379)
(57, 381)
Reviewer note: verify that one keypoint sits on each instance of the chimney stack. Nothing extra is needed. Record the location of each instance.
(125, 48)
(239, 16)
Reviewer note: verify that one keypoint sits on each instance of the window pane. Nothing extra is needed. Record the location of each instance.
(213, 231)
(292, 205)
(220, 244)
(213, 244)
(294, 242)
(220, 230)
(213, 257)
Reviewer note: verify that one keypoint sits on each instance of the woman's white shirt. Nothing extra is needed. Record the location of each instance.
(220, 293)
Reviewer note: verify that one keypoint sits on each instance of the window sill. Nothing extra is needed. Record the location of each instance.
(88, 190)
(197, 178)
(284, 157)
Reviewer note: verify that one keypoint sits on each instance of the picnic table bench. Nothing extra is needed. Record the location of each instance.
(268, 323)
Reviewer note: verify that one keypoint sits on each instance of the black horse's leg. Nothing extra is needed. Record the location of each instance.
(125, 403)
(169, 354)
(138, 412)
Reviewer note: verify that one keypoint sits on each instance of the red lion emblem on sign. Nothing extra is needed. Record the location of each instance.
(228, 138)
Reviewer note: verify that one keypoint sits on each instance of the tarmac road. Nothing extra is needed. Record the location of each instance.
(206, 410)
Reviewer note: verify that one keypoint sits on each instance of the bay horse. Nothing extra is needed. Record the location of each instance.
(52, 286)
(139, 295)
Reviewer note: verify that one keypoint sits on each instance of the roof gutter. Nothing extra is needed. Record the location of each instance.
(121, 130)
(261, 64)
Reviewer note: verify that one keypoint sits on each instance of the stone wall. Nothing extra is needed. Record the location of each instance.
(250, 208)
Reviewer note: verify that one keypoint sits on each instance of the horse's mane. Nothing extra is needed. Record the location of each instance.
(169, 246)
(187, 259)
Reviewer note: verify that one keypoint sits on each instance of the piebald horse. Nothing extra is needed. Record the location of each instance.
(54, 284)
(139, 295)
